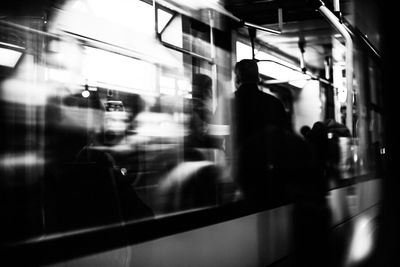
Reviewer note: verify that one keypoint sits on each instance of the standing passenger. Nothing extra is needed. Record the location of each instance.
(261, 123)
(276, 166)
(255, 109)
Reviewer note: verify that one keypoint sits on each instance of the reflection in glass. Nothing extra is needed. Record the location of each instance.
(104, 124)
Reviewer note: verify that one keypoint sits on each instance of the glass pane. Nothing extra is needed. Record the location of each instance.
(105, 124)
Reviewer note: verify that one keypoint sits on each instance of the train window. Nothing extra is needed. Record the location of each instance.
(133, 74)
(109, 125)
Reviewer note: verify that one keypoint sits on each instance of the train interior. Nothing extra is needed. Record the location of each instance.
(119, 130)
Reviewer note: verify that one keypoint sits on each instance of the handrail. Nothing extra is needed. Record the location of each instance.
(349, 60)
(312, 76)
(257, 27)
(187, 52)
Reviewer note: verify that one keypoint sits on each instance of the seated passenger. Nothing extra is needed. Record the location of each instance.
(84, 188)
(130, 205)
(195, 181)
(201, 114)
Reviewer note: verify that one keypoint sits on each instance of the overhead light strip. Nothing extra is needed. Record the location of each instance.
(12, 46)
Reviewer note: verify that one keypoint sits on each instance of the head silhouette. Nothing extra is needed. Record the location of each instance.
(202, 86)
(246, 71)
(202, 96)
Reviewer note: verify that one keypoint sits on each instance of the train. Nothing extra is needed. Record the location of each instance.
(118, 144)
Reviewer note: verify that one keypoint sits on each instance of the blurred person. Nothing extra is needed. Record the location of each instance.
(194, 182)
(323, 139)
(201, 114)
(276, 165)
(85, 185)
(311, 212)
(261, 123)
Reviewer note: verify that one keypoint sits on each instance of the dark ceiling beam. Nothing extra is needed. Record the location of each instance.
(266, 11)
(263, 18)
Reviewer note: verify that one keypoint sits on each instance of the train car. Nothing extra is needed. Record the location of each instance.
(119, 133)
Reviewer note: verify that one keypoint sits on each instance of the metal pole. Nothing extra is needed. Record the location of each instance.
(187, 52)
(155, 20)
(254, 26)
(213, 57)
(349, 61)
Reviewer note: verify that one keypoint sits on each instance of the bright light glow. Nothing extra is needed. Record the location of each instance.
(307, 108)
(355, 157)
(167, 85)
(9, 57)
(272, 69)
(362, 239)
(23, 87)
(242, 51)
(184, 86)
(167, 90)
(134, 15)
(153, 124)
(123, 23)
(59, 75)
(219, 129)
(85, 93)
(172, 86)
(21, 159)
(339, 81)
(342, 94)
(111, 68)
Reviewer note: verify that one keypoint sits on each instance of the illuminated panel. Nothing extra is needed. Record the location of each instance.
(113, 69)
(9, 57)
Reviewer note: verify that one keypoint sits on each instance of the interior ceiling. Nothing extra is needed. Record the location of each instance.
(300, 23)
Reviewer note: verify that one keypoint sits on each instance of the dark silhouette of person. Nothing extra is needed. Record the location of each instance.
(261, 129)
(305, 130)
(313, 245)
(323, 139)
(276, 165)
(201, 114)
(254, 108)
